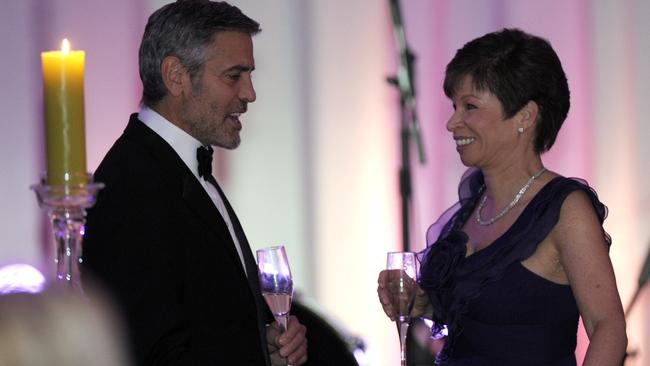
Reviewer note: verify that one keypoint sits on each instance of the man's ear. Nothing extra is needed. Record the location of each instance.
(528, 115)
(173, 74)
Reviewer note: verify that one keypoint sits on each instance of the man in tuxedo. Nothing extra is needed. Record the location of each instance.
(162, 237)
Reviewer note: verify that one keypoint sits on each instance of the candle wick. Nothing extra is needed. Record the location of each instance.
(65, 46)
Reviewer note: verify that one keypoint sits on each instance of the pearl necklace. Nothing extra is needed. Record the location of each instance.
(510, 205)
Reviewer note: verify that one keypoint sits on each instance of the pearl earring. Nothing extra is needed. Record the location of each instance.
(520, 130)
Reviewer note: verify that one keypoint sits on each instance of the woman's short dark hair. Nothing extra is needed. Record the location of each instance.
(184, 29)
(516, 67)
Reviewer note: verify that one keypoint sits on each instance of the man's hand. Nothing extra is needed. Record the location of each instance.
(290, 347)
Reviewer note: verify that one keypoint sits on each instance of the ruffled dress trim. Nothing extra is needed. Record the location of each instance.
(452, 280)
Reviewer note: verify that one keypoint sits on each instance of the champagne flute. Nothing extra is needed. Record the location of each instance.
(276, 282)
(402, 269)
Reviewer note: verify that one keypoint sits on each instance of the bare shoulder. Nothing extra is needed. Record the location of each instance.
(578, 223)
(577, 204)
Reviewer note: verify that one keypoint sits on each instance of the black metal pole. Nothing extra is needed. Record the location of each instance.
(405, 179)
(409, 126)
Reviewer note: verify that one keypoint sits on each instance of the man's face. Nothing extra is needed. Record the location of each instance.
(221, 91)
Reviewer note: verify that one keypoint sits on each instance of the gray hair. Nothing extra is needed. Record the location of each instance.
(184, 29)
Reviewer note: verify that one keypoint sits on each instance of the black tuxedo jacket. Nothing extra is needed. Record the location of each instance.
(158, 244)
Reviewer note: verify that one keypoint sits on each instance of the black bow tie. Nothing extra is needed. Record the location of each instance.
(204, 156)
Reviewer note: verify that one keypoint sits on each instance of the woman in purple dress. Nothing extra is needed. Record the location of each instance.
(512, 266)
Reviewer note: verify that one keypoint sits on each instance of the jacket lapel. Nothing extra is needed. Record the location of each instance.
(201, 204)
(251, 269)
(192, 192)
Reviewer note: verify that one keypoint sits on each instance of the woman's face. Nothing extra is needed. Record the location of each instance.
(483, 137)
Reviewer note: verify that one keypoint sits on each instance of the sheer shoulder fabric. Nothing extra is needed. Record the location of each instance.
(452, 280)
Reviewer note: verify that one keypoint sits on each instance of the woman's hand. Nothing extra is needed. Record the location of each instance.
(389, 302)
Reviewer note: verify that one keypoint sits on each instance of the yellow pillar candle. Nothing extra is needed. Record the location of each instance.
(63, 97)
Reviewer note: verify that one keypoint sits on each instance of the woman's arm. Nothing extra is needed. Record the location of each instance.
(584, 255)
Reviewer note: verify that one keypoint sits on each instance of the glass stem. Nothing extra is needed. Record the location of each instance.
(68, 230)
(402, 330)
(283, 321)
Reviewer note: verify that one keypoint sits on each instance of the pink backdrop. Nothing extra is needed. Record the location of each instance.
(318, 166)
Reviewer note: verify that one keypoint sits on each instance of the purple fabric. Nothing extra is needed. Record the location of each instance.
(455, 283)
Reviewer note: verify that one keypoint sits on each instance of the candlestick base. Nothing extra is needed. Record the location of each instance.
(66, 207)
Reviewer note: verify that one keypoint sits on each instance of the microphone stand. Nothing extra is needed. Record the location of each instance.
(643, 279)
(409, 126)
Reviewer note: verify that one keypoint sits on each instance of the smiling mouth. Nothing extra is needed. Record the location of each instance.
(234, 117)
(464, 141)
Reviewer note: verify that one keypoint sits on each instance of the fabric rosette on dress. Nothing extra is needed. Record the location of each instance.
(436, 276)
(453, 281)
